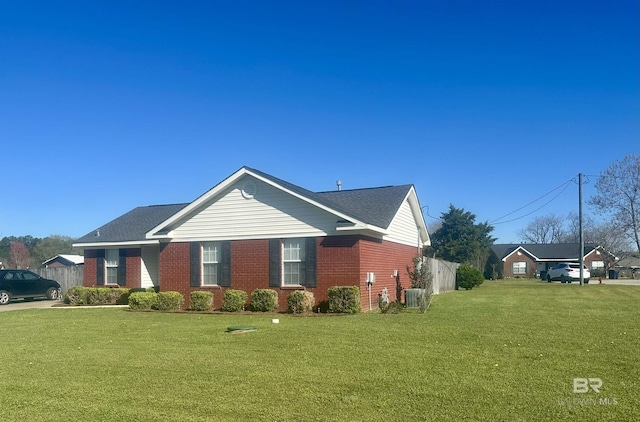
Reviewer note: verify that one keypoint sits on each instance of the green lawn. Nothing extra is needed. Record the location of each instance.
(508, 350)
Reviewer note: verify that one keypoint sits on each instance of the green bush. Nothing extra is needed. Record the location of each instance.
(390, 307)
(142, 300)
(96, 296)
(301, 302)
(344, 299)
(234, 300)
(169, 301)
(75, 296)
(264, 300)
(201, 301)
(468, 277)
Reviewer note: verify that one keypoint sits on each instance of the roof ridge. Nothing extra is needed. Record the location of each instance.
(370, 188)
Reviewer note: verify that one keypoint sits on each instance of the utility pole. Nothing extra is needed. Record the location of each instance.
(580, 228)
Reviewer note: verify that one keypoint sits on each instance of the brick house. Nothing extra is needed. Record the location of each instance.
(532, 260)
(253, 231)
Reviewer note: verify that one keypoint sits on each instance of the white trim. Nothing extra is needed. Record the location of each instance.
(414, 203)
(535, 258)
(107, 245)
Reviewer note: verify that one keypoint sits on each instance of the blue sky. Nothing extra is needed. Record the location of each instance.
(105, 106)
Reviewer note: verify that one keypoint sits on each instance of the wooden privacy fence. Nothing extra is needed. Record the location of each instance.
(68, 277)
(443, 275)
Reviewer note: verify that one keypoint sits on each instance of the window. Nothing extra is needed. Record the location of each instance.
(211, 255)
(519, 268)
(112, 260)
(293, 262)
(597, 265)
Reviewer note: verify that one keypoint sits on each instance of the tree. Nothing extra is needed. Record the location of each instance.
(460, 239)
(51, 246)
(611, 237)
(546, 229)
(19, 255)
(618, 195)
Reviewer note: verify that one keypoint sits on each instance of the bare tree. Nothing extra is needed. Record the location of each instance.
(572, 233)
(19, 255)
(618, 195)
(546, 229)
(611, 237)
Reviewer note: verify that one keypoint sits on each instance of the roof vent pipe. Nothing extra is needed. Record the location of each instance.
(339, 184)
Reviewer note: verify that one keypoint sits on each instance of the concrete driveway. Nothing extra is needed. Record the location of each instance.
(625, 282)
(18, 304)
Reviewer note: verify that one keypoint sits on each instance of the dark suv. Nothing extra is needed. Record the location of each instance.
(26, 284)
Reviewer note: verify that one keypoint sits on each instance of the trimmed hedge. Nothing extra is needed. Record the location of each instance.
(201, 301)
(264, 300)
(169, 301)
(234, 300)
(344, 299)
(79, 295)
(142, 300)
(301, 302)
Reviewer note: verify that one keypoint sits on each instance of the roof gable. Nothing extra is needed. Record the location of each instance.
(544, 252)
(369, 211)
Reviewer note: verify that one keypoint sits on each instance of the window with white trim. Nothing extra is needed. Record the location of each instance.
(597, 265)
(519, 268)
(211, 257)
(112, 260)
(293, 262)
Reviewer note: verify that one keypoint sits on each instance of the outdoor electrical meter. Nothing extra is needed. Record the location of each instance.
(371, 278)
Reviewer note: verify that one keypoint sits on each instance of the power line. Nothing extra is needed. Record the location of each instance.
(563, 186)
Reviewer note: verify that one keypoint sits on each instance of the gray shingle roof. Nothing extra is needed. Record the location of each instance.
(374, 206)
(133, 225)
(559, 251)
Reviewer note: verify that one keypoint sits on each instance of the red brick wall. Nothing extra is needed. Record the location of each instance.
(531, 266)
(175, 271)
(134, 268)
(341, 261)
(382, 258)
(90, 268)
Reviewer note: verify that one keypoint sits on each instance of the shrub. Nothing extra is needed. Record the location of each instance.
(264, 300)
(301, 302)
(344, 299)
(468, 277)
(169, 301)
(234, 300)
(201, 301)
(142, 300)
(105, 296)
(391, 307)
(75, 296)
(96, 296)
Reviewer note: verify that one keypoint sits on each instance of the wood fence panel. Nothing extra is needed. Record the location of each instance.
(68, 277)
(443, 275)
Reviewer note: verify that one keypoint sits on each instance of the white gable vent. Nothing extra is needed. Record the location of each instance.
(249, 189)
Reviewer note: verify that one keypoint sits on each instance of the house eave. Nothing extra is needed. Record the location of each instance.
(95, 245)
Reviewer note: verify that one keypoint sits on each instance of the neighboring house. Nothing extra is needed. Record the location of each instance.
(254, 231)
(64, 261)
(629, 266)
(530, 260)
